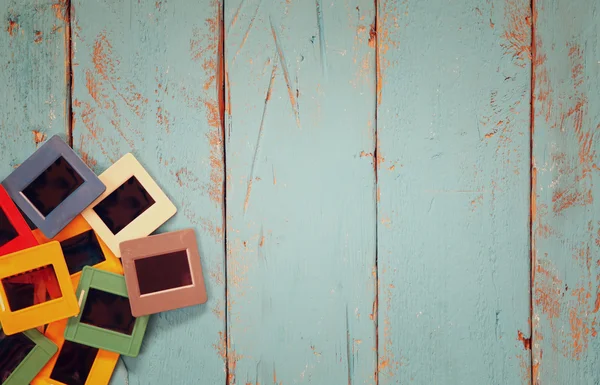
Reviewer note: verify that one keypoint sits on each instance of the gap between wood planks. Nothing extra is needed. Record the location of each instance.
(376, 168)
(532, 197)
(221, 93)
(69, 70)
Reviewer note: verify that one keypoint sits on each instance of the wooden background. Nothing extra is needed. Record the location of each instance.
(384, 193)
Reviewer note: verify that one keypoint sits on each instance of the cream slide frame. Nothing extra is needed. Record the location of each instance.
(146, 222)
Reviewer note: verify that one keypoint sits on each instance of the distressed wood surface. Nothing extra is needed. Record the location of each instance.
(378, 177)
(453, 181)
(146, 81)
(33, 78)
(566, 220)
(300, 123)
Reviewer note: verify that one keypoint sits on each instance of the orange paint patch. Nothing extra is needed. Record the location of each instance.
(228, 94)
(205, 48)
(218, 311)
(38, 137)
(134, 100)
(565, 198)
(248, 192)
(221, 346)
(547, 292)
(12, 28)
(583, 256)
(543, 92)
(571, 117)
(535, 371)
(387, 365)
(386, 25)
(542, 228)
(215, 139)
(186, 178)
(582, 323)
(379, 158)
(221, 73)
(60, 10)
(38, 36)
(232, 360)
(576, 55)
(518, 32)
(372, 35)
(373, 315)
(526, 341)
(525, 369)
(95, 90)
(215, 231)
(104, 64)
(101, 56)
(475, 203)
(163, 119)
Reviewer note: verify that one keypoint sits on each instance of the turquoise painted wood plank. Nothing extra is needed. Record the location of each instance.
(453, 176)
(300, 192)
(146, 81)
(33, 78)
(566, 220)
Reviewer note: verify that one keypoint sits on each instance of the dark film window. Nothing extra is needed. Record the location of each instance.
(108, 311)
(163, 272)
(7, 231)
(74, 363)
(31, 288)
(53, 186)
(82, 250)
(123, 205)
(13, 350)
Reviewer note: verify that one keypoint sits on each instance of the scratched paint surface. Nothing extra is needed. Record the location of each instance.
(300, 192)
(145, 81)
(377, 210)
(566, 219)
(33, 78)
(453, 180)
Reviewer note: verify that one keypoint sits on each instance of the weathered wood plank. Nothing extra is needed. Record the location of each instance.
(33, 78)
(145, 81)
(300, 191)
(566, 219)
(453, 177)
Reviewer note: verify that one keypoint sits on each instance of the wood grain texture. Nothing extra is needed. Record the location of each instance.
(300, 192)
(378, 211)
(33, 78)
(566, 220)
(453, 180)
(146, 81)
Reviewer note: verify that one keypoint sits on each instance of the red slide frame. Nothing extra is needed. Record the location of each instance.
(25, 238)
